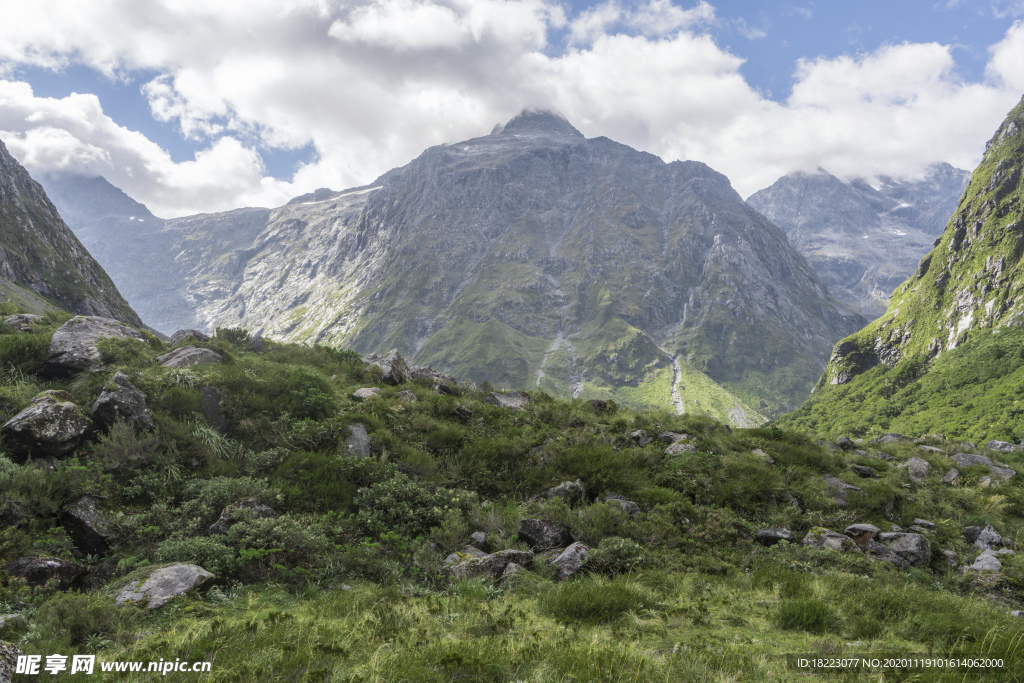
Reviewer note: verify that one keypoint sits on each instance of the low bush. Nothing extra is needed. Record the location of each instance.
(596, 600)
(807, 614)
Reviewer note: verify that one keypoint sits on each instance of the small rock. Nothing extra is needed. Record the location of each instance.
(916, 529)
(931, 449)
(951, 477)
(182, 335)
(772, 535)
(988, 560)
(890, 438)
(22, 321)
(1002, 446)
(461, 412)
(988, 539)
(914, 548)
(917, 468)
(73, 345)
(511, 569)
(886, 457)
(864, 471)
(125, 402)
(164, 584)
(845, 443)
(1017, 613)
(493, 565)
(967, 459)
(896, 529)
(969, 445)
(480, 538)
(952, 560)
(672, 437)
(862, 533)
(971, 533)
(859, 452)
(357, 444)
(791, 501)
(365, 393)
(570, 491)
(764, 456)
(641, 438)
(51, 425)
(229, 516)
(598, 405)
(820, 537)
(87, 527)
(985, 482)
(210, 404)
(541, 534)
(11, 514)
(442, 384)
(407, 396)
(880, 552)
(188, 356)
(513, 400)
(37, 571)
(627, 507)
(393, 366)
(839, 488)
(571, 559)
(680, 447)
(924, 522)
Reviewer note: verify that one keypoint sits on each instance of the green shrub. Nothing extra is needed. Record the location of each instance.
(74, 618)
(807, 614)
(180, 401)
(290, 546)
(26, 352)
(313, 481)
(209, 552)
(407, 507)
(123, 351)
(615, 556)
(596, 600)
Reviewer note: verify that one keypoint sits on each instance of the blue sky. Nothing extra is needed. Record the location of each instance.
(199, 106)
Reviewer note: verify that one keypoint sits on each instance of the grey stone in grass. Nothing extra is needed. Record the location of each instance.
(967, 459)
(407, 396)
(394, 368)
(1002, 446)
(912, 547)
(230, 515)
(365, 393)
(570, 491)
(640, 437)
(123, 402)
(862, 534)
(846, 443)
(73, 345)
(772, 535)
(513, 400)
(51, 425)
(87, 526)
(839, 489)
(570, 560)
(988, 538)
(626, 506)
(951, 477)
(917, 468)
(480, 538)
(357, 444)
(38, 571)
(820, 537)
(541, 534)
(864, 471)
(163, 584)
(189, 356)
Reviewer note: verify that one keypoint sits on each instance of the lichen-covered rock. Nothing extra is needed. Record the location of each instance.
(862, 533)
(839, 489)
(73, 345)
(122, 402)
(357, 444)
(365, 393)
(772, 535)
(951, 477)
(680, 447)
(38, 571)
(988, 560)
(492, 565)
(968, 459)
(820, 537)
(87, 526)
(513, 400)
(12, 626)
(51, 425)
(392, 365)
(917, 468)
(570, 491)
(164, 584)
(987, 539)
(914, 548)
(624, 505)
(570, 560)
(541, 534)
(230, 515)
(188, 356)
(1002, 446)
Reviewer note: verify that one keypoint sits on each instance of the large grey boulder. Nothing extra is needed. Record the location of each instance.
(493, 565)
(988, 560)
(87, 526)
(230, 515)
(51, 425)
(570, 491)
(38, 571)
(914, 548)
(839, 489)
(122, 402)
(164, 584)
(967, 459)
(541, 534)
(771, 536)
(570, 560)
(392, 365)
(182, 335)
(987, 539)
(820, 537)
(513, 400)
(917, 468)
(1002, 446)
(187, 356)
(73, 345)
(358, 443)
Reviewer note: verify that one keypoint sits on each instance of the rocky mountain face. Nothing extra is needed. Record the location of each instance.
(862, 240)
(961, 313)
(41, 259)
(528, 257)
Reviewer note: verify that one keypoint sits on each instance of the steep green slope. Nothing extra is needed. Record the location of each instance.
(40, 253)
(944, 357)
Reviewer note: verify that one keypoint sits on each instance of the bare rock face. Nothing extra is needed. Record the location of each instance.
(513, 400)
(87, 527)
(230, 515)
(187, 356)
(392, 364)
(164, 584)
(544, 535)
(73, 345)
(38, 571)
(125, 402)
(51, 426)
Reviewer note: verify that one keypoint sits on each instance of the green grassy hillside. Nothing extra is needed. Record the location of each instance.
(347, 583)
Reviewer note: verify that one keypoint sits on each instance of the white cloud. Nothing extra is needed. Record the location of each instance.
(371, 83)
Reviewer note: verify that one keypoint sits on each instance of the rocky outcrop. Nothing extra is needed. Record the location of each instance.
(122, 401)
(87, 527)
(542, 535)
(38, 571)
(163, 584)
(493, 565)
(392, 365)
(968, 459)
(513, 400)
(73, 345)
(771, 536)
(819, 537)
(187, 356)
(252, 508)
(182, 335)
(51, 426)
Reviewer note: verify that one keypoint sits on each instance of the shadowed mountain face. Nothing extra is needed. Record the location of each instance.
(528, 257)
(41, 257)
(863, 241)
